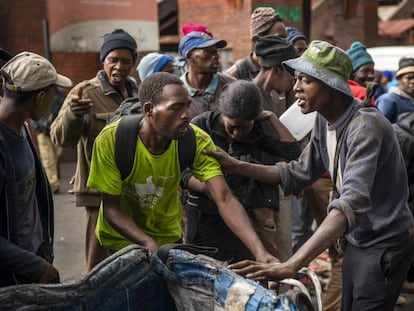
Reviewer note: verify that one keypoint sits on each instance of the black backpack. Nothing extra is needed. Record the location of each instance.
(130, 112)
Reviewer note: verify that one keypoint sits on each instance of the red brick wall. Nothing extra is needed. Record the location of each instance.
(21, 25)
(77, 66)
(21, 30)
(361, 25)
(224, 20)
(230, 19)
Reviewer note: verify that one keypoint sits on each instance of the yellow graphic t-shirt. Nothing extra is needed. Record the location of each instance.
(149, 195)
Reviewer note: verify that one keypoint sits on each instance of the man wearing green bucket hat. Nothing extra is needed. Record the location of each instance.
(368, 205)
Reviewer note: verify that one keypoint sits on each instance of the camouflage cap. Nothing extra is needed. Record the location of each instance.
(325, 62)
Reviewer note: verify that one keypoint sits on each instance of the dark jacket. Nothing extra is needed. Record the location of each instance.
(27, 266)
(395, 102)
(404, 128)
(206, 100)
(251, 193)
(374, 191)
(245, 69)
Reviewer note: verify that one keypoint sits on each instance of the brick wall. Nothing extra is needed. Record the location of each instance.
(360, 25)
(22, 30)
(223, 18)
(77, 66)
(21, 25)
(230, 19)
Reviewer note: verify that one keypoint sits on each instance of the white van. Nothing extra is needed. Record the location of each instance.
(387, 57)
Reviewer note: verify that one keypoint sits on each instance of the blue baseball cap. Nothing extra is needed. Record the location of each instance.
(198, 40)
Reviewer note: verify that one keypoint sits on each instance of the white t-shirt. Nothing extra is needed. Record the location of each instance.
(331, 143)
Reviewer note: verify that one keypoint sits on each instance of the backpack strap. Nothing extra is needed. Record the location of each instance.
(187, 148)
(126, 141)
(131, 105)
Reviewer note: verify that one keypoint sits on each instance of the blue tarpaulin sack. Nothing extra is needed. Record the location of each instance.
(199, 282)
(178, 277)
(124, 281)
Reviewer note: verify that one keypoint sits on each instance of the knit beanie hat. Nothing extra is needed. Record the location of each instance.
(117, 39)
(261, 20)
(152, 62)
(359, 56)
(405, 65)
(293, 35)
(273, 50)
(190, 27)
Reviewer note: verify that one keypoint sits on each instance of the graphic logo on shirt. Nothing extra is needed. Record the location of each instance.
(147, 194)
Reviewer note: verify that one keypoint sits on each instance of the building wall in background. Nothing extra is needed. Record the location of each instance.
(21, 30)
(230, 19)
(356, 23)
(78, 25)
(21, 25)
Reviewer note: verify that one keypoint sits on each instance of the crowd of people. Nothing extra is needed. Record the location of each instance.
(268, 203)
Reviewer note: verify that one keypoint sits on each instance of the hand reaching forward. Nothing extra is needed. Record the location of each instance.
(259, 271)
(49, 275)
(80, 106)
(227, 162)
(151, 245)
(266, 115)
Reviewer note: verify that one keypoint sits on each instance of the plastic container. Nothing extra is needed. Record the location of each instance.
(298, 123)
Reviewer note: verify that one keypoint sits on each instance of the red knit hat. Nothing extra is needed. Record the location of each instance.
(190, 27)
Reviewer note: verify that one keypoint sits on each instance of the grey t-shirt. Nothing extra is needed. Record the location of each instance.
(29, 228)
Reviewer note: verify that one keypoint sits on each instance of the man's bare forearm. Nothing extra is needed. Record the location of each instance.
(332, 228)
(266, 173)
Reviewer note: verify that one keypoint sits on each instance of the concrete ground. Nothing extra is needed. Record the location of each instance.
(70, 224)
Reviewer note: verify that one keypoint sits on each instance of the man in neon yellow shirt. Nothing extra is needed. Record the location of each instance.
(145, 209)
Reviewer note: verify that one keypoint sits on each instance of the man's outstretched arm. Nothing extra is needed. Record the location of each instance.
(265, 173)
(333, 227)
(122, 223)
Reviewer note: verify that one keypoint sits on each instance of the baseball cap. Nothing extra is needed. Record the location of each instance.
(28, 71)
(198, 40)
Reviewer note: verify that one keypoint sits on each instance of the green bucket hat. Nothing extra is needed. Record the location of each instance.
(325, 62)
